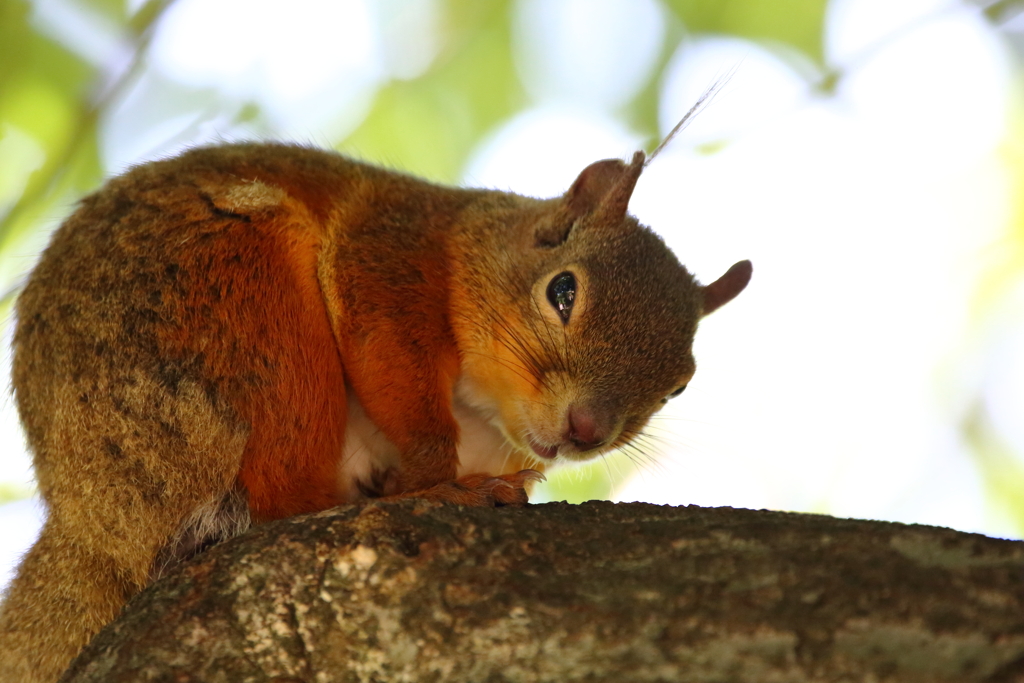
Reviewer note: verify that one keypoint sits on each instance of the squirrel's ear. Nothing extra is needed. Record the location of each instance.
(724, 289)
(602, 189)
(605, 185)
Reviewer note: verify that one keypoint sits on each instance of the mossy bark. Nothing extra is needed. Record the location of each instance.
(416, 591)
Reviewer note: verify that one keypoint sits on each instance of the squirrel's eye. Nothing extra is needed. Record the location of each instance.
(561, 294)
(674, 394)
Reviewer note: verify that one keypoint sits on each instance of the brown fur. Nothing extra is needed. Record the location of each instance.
(189, 344)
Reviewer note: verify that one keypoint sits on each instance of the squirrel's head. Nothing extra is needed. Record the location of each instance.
(591, 330)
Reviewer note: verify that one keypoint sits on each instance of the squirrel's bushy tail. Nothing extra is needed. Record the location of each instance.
(126, 502)
(63, 593)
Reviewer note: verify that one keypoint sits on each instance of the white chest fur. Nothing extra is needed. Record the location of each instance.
(482, 446)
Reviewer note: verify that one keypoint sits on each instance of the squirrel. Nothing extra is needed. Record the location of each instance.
(248, 332)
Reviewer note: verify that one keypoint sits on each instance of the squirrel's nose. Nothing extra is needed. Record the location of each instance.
(582, 430)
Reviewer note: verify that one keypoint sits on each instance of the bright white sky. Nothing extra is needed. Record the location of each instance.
(835, 382)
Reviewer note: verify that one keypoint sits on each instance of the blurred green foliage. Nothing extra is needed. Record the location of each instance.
(11, 492)
(796, 23)
(1001, 470)
(429, 125)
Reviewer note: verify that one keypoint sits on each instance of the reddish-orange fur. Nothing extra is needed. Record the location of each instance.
(402, 361)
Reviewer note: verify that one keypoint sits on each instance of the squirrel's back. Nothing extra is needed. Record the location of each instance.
(202, 273)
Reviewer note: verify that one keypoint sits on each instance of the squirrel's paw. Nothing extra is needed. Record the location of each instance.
(483, 490)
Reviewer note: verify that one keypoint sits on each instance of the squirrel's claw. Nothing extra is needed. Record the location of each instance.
(482, 490)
